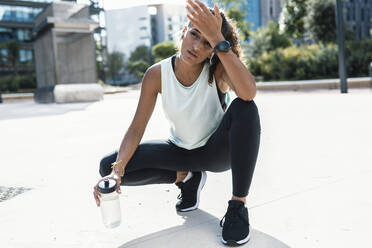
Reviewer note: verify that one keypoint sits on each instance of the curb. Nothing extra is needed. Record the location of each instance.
(363, 82)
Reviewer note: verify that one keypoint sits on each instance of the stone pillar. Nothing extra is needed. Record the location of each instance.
(65, 55)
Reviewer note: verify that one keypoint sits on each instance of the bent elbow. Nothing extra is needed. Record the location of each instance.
(249, 96)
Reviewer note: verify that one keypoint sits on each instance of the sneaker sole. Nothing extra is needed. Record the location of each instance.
(236, 243)
(200, 187)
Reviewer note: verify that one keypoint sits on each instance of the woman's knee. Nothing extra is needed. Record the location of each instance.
(105, 164)
(246, 110)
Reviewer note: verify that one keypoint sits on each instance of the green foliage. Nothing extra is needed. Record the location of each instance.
(267, 39)
(358, 57)
(16, 83)
(292, 18)
(13, 48)
(115, 64)
(296, 63)
(236, 14)
(163, 50)
(321, 20)
(139, 61)
(138, 68)
(237, 10)
(141, 53)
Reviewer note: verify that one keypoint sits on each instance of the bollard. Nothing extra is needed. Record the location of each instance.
(370, 73)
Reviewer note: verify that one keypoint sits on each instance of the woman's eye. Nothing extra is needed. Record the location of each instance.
(207, 44)
(193, 34)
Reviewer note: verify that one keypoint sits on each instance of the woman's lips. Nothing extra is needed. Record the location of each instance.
(193, 54)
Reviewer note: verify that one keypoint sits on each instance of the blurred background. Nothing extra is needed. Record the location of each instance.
(118, 40)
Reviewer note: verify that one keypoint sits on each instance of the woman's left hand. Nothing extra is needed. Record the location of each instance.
(207, 23)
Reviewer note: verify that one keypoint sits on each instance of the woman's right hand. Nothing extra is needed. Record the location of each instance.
(97, 194)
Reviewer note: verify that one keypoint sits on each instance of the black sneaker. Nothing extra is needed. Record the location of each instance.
(190, 192)
(235, 228)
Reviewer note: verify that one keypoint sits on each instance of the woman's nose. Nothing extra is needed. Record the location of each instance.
(197, 45)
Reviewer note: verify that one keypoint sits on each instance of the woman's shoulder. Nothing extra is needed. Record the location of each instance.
(152, 77)
(155, 69)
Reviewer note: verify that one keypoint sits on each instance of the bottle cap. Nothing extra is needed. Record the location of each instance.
(107, 186)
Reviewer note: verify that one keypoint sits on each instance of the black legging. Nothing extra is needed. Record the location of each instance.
(233, 145)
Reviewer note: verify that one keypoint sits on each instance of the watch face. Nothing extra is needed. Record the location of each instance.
(223, 46)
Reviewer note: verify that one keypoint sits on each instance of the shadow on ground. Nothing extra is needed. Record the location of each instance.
(27, 109)
(200, 229)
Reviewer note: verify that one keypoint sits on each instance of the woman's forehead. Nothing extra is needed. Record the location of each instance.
(191, 26)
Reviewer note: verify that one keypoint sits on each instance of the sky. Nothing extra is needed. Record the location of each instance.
(119, 4)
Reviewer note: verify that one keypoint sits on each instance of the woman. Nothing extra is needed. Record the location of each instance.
(204, 137)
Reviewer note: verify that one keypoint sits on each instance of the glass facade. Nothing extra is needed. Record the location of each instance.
(254, 13)
(252, 9)
(16, 21)
(359, 18)
(18, 13)
(19, 34)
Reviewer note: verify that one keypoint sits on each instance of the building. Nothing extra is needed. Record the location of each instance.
(143, 25)
(358, 16)
(16, 23)
(254, 14)
(65, 54)
(270, 11)
(17, 19)
(259, 12)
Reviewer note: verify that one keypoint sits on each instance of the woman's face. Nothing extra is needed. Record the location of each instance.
(194, 47)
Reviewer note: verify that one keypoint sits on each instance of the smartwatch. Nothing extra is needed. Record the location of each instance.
(222, 46)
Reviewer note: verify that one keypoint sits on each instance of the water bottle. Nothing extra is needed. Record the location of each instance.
(110, 204)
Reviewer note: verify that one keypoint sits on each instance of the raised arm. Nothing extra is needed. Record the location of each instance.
(151, 86)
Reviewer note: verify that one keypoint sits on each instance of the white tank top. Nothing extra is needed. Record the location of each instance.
(194, 112)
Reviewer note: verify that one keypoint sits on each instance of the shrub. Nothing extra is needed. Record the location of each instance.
(15, 83)
(9, 84)
(27, 81)
(296, 63)
(358, 56)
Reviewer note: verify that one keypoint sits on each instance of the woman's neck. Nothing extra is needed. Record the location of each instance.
(187, 73)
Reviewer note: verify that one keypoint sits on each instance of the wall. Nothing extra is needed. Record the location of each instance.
(45, 60)
(76, 59)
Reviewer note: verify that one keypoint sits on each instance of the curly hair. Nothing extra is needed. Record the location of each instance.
(229, 31)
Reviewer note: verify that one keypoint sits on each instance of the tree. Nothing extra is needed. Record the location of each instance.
(163, 50)
(267, 39)
(115, 63)
(237, 15)
(237, 10)
(138, 68)
(139, 61)
(292, 18)
(13, 48)
(141, 52)
(321, 21)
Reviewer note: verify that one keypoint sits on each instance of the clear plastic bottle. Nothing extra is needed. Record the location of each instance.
(110, 203)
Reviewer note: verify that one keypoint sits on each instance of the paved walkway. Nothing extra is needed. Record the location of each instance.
(312, 184)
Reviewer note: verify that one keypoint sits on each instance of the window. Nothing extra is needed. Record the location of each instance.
(3, 55)
(23, 34)
(25, 56)
(18, 14)
(5, 34)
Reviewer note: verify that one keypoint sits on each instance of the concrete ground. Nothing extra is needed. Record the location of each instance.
(311, 188)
